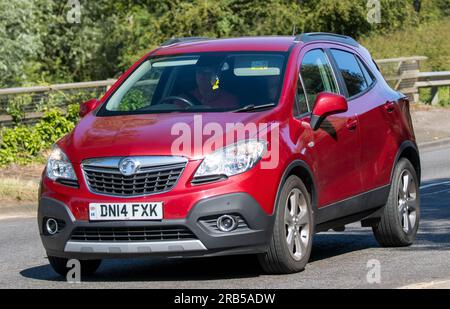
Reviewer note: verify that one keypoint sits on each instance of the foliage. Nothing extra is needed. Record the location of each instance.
(39, 45)
(133, 100)
(19, 145)
(24, 144)
(61, 99)
(16, 107)
(53, 126)
(443, 95)
(76, 51)
(418, 42)
(20, 40)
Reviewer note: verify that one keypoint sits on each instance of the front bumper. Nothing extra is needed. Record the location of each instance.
(253, 237)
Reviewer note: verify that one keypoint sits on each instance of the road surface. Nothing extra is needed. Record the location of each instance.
(339, 260)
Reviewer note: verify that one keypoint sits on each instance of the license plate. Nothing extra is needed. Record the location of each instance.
(125, 211)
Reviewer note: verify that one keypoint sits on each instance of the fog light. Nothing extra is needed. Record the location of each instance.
(52, 226)
(227, 223)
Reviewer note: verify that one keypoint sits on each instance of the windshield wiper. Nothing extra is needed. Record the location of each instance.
(253, 107)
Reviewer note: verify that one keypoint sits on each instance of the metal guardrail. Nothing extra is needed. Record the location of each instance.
(404, 75)
(39, 97)
(59, 87)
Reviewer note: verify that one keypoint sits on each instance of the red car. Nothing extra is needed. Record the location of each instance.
(234, 146)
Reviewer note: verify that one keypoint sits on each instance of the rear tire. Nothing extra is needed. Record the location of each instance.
(400, 219)
(88, 267)
(291, 241)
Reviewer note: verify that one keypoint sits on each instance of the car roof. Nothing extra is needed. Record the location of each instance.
(267, 43)
(259, 43)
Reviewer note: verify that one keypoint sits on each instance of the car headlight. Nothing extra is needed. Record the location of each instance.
(232, 160)
(59, 166)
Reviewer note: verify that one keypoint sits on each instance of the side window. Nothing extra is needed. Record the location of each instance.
(370, 79)
(317, 75)
(300, 105)
(351, 72)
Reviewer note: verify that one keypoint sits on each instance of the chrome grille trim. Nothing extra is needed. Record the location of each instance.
(156, 174)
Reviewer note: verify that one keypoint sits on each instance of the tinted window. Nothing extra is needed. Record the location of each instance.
(351, 72)
(317, 74)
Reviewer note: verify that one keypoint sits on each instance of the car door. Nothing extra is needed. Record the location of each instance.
(336, 144)
(376, 117)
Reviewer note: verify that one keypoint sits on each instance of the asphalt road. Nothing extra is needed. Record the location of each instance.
(339, 260)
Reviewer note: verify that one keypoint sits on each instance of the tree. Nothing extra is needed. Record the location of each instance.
(20, 41)
(39, 45)
(78, 51)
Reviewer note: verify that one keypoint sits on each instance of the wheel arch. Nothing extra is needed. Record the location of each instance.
(300, 169)
(410, 151)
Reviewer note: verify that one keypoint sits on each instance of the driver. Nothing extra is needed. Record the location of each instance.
(209, 91)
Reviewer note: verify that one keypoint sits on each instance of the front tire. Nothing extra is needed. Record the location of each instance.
(291, 242)
(59, 265)
(400, 219)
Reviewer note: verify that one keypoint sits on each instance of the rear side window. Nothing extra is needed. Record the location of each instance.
(317, 75)
(370, 79)
(352, 72)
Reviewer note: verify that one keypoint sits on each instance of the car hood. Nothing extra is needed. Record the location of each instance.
(143, 135)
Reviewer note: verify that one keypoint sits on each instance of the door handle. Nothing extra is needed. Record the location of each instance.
(352, 123)
(389, 106)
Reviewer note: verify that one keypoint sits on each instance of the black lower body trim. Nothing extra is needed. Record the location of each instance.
(351, 210)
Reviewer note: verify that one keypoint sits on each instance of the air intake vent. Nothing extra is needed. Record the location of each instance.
(127, 234)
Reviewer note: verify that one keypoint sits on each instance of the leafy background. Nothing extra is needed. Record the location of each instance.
(40, 46)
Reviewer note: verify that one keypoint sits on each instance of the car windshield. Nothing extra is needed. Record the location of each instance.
(206, 82)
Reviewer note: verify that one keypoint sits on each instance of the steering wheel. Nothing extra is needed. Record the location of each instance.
(177, 98)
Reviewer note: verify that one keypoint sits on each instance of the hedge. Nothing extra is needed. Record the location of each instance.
(25, 144)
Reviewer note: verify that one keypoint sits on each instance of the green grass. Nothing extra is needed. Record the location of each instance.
(431, 40)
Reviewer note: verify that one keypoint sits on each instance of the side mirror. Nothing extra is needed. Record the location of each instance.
(327, 104)
(87, 107)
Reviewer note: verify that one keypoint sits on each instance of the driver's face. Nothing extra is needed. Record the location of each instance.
(205, 79)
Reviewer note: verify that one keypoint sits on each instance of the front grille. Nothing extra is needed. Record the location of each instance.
(127, 234)
(149, 180)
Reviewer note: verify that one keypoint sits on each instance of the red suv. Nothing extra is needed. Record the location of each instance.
(234, 146)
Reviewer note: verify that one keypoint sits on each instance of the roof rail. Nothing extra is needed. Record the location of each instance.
(317, 36)
(182, 40)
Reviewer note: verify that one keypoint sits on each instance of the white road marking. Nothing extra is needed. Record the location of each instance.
(431, 193)
(435, 184)
(429, 285)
